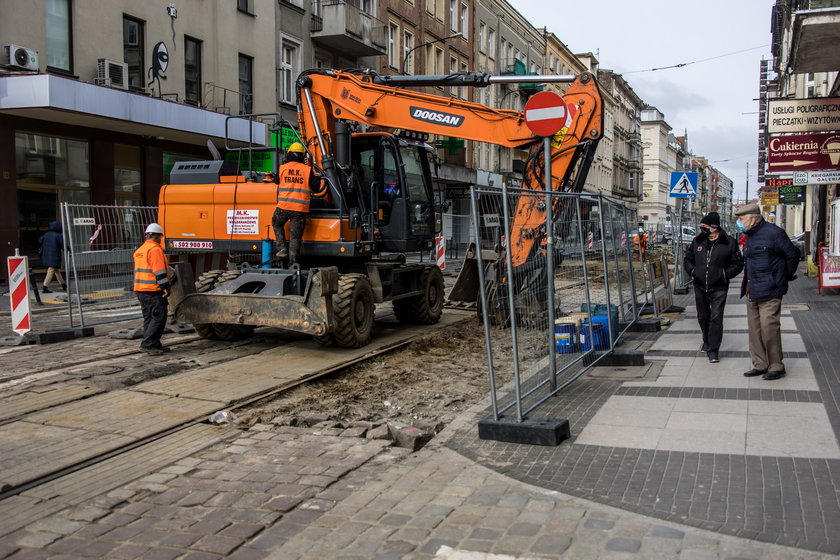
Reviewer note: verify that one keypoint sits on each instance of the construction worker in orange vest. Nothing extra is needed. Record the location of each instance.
(297, 182)
(151, 284)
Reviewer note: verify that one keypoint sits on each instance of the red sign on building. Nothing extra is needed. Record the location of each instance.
(803, 152)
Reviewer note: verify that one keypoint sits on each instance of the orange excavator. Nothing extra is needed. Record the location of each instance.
(367, 135)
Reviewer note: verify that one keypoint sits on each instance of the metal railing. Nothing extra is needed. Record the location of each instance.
(99, 244)
(551, 310)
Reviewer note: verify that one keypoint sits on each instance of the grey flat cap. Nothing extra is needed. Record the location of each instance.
(748, 209)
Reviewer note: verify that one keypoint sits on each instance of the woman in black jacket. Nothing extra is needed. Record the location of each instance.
(712, 260)
(52, 245)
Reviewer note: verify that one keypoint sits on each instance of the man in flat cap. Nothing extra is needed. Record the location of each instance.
(770, 263)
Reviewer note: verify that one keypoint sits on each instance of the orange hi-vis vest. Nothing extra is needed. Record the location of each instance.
(293, 192)
(151, 271)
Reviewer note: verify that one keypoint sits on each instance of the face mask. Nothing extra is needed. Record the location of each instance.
(740, 225)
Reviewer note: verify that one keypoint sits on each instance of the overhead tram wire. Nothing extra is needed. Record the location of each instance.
(682, 64)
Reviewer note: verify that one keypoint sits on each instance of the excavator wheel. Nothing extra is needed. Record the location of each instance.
(204, 283)
(223, 330)
(426, 308)
(353, 307)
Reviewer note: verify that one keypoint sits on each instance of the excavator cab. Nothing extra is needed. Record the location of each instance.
(394, 181)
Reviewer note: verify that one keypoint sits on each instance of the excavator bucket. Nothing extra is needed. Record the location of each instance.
(464, 294)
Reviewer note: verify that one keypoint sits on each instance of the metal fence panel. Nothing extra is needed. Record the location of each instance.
(581, 260)
(99, 243)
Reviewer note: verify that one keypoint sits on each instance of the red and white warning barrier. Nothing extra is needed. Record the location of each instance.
(623, 239)
(19, 293)
(440, 251)
(590, 241)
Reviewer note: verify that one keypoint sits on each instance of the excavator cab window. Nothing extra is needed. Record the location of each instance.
(418, 195)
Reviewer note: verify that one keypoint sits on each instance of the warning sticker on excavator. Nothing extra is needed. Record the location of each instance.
(243, 222)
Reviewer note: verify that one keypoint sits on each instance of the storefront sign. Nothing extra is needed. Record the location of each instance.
(829, 269)
(804, 115)
(816, 177)
(770, 198)
(800, 152)
(792, 194)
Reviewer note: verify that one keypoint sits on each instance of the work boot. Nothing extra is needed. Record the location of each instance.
(64, 287)
(46, 290)
(282, 253)
(152, 351)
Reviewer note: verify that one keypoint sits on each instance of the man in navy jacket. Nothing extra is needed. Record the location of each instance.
(770, 263)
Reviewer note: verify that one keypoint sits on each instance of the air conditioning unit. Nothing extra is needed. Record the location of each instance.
(111, 73)
(21, 57)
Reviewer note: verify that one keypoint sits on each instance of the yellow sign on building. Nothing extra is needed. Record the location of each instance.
(770, 198)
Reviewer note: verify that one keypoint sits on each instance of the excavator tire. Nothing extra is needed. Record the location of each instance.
(204, 283)
(353, 307)
(426, 308)
(223, 330)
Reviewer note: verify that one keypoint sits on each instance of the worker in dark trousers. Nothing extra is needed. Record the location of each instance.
(297, 182)
(711, 261)
(151, 284)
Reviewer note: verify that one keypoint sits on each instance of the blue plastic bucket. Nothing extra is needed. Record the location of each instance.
(599, 330)
(565, 338)
(600, 310)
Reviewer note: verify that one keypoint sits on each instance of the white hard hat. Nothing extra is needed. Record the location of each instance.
(154, 228)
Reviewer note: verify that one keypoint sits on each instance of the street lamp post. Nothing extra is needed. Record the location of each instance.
(405, 59)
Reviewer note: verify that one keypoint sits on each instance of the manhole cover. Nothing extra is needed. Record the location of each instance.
(98, 370)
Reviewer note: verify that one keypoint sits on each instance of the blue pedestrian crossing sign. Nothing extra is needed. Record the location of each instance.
(683, 185)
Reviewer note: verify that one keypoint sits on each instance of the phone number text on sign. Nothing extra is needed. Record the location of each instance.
(243, 222)
(191, 244)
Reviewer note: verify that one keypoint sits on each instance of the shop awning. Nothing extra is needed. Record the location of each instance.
(56, 99)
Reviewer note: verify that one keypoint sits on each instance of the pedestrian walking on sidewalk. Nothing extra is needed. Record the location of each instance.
(51, 245)
(712, 260)
(770, 263)
(151, 284)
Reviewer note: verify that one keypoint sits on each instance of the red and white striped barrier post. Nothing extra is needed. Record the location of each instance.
(19, 293)
(590, 241)
(623, 239)
(440, 251)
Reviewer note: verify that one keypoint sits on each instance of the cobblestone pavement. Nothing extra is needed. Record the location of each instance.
(306, 493)
(309, 493)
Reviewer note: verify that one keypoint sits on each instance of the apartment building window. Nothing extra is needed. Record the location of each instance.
(192, 71)
(246, 84)
(133, 51)
(438, 61)
(244, 6)
(58, 28)
(435, 8)
(367, 6)
(482, 31)
(408, 44)
(289, 69)
(465, 21)
(491, 42)
(463, 88)
(453, 15)
(392, 45)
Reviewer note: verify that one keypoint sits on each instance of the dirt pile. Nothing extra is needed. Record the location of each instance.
(428, 382)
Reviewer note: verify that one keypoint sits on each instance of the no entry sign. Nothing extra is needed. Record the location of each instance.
(545, 113)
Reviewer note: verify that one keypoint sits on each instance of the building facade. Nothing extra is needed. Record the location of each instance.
(660, 160)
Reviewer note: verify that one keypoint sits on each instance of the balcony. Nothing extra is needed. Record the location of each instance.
(516, 67)
(342, 26)
(814, 25)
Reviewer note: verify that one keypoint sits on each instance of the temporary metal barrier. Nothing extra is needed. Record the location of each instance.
(99, 243)
(582, 260)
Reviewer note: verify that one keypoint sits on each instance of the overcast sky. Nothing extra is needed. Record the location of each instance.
(706, 99)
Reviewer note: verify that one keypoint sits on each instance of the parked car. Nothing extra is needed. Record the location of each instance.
(799, 241)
